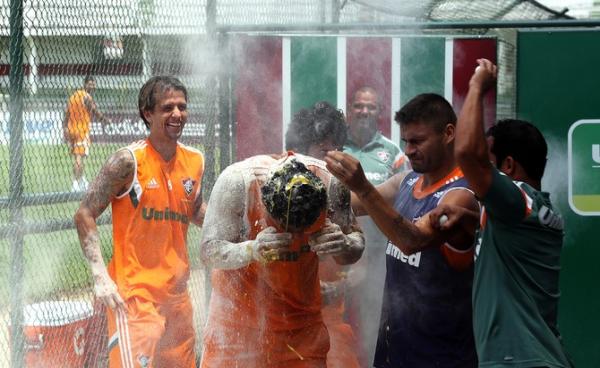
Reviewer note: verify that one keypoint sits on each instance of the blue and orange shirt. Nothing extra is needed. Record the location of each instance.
(426, 312)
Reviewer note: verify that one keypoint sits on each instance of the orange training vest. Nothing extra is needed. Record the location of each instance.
(277, 296)
(79, 116)
(150, 224)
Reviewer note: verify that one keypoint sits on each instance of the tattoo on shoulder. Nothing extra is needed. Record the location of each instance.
(113, 179)
(120, 165)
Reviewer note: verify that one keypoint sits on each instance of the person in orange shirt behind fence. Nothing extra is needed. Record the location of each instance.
(80, 110)
(154, 188)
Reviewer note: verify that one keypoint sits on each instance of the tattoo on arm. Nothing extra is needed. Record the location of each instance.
(411, 235)
(114, 177)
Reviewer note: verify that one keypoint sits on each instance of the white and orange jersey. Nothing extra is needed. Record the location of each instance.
(150, 222)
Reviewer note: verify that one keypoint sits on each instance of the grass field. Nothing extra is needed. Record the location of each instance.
(53, 262)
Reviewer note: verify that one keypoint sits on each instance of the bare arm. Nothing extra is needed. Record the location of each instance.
(387, 190)
(224, 244)
(409, 237)
(65, 124)
(470, 146)
(115, 176)
(223, 229)
(199, 210)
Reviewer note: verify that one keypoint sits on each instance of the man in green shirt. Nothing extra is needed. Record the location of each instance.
(515, 287)
(380, 158)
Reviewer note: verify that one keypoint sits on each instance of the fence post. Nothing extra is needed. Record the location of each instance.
(212, 85)
(225, 103)
(335, 11)
(16, 182)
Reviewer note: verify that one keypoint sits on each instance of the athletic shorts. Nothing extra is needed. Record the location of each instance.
(228, 347)
(151, 335)
(80, 146)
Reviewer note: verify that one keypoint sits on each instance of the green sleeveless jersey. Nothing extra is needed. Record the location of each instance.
(380, 158)
(515, 287)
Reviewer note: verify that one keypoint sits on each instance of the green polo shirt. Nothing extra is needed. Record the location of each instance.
(380, 158)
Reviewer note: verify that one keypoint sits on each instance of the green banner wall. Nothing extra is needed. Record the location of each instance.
(558, 79)
(277, 76)
(313, 71)
(423, 60)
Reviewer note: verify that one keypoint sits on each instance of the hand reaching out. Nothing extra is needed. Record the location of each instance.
(348, 170)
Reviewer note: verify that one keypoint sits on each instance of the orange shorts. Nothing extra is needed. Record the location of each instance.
(79, 145)
(151, 335)
(228, 347)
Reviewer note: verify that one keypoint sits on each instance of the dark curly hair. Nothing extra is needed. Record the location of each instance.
(315, 125)
(153, 88)
(523, 142)
(294, 196)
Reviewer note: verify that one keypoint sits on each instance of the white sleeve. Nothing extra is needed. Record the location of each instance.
(222, 244)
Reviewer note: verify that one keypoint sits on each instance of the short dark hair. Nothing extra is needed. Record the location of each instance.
(155, 86)
(523, 142)
(429, 108)
(315, 125)
(88, 78)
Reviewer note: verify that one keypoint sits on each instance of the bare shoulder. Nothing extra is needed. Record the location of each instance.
(462, 197)
(119, 166)
(115, 176)
(397, 178)
(388, 188)
(231, 185)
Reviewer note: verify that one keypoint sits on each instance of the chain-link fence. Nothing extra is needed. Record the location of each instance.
(47, 48)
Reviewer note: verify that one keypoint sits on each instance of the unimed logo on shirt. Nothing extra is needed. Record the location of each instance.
(166, 214)
(584, 167)
(412, 260)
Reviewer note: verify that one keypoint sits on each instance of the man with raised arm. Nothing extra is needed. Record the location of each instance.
(515, 289)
